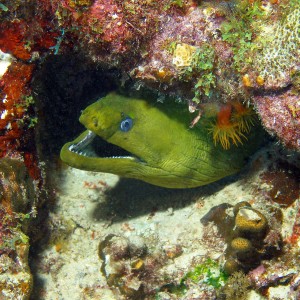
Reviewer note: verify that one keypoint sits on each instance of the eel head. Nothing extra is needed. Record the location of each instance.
(128, 137)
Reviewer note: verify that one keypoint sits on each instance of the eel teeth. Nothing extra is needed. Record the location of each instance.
(78, 148)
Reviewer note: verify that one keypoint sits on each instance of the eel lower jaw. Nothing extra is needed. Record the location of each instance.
(90, 145)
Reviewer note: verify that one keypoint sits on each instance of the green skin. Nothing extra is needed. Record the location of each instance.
(165, 151)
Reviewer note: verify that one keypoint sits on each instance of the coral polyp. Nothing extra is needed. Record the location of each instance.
(183, 55)
(244, 116)
(225, 134)
(230, 126)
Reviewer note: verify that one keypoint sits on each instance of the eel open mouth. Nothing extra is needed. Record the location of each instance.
(91, 145)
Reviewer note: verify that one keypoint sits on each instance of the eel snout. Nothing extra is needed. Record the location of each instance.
(82, 145)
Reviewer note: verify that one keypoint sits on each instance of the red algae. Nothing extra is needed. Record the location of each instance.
(12, 39)
(106, 19)
(15, 82)
(15, 86)
(284, 187)
(16, 134)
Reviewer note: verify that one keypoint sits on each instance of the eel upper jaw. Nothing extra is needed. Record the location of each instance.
(83, 146)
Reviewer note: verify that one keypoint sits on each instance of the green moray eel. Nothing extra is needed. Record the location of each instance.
(159, 147)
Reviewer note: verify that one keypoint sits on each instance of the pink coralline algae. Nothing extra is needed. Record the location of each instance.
(109, 31)
(280, 114)
(104, 23)
(165, 67)
(109, 18)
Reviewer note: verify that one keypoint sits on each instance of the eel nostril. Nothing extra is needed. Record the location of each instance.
(95, 121)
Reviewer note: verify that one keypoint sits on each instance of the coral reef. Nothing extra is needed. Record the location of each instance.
(152, 245)
(218, 57)
(14, 86)
(268, 275)
(280, 115)
(119, 28)
(139, 271)
(248, 235)
(247, 243)
(271, 73)
(236, 287)
(295, 237)
(20, 173)
(133, 268)
(275, 64)
(17, 206)
(21, 180)
(212, 52)
(282, 180)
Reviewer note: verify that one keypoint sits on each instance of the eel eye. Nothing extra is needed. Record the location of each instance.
(126, 124)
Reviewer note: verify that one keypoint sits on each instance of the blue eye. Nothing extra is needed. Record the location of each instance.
(126, 124)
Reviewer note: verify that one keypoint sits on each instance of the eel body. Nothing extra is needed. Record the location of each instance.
(152, 142)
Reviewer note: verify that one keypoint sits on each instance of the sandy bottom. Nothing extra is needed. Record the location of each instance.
(90, 206)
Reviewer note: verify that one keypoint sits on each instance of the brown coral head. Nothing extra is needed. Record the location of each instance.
(241, 245)
(231, 265)
(250, 220)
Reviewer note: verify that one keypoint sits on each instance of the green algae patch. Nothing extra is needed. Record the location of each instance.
(239, 30)
(209, 272)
